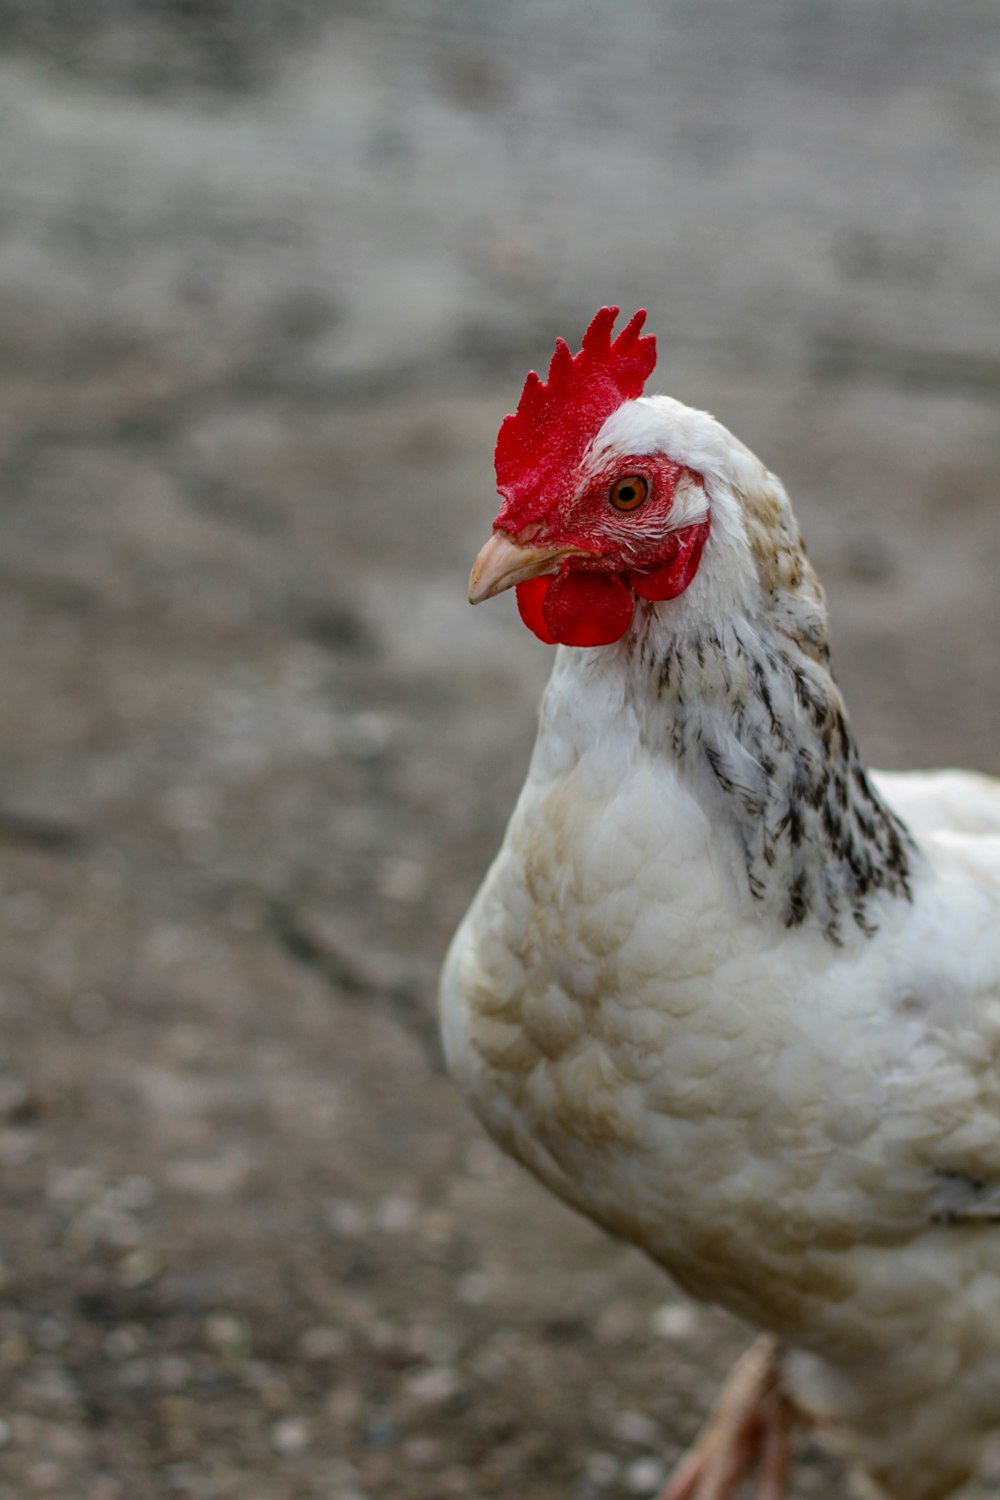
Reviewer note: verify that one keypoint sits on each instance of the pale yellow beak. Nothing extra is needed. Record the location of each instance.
(503, 562)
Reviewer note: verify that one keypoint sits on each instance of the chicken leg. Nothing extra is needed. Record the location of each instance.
(748, 1429)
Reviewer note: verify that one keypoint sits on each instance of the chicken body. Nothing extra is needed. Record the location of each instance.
(719, 997)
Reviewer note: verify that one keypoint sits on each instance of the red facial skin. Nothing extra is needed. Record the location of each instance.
(540, 448)
(591, 600)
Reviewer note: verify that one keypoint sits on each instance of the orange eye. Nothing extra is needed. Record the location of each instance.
(629, 492)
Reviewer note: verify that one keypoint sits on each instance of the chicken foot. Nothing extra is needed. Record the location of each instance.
(749, 1428)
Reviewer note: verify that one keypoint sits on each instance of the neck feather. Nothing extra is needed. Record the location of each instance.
(752, 713)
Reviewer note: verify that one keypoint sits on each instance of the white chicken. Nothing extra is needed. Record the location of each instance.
(723, 990)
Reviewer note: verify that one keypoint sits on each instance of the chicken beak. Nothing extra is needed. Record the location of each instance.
(504, 562)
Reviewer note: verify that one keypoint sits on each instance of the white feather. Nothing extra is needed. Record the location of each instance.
(790, 1126)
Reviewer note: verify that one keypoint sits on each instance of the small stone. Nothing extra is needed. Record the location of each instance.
(227, 1333)
(189, 806)
(434, 1386)
(636, 1427)
(395, 1214)
(73, 1185)
(139, 1268)
(52, 1387)
(365, 736)
(346, 1220)
(120, 1231)
(134, 1193)
(125, 1341)
(172, 1372)
(289, 1436)
(674, 1320)
(322, 1343)
(47, 1475)
(644, 1476)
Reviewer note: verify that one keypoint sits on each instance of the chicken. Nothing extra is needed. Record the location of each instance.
(724, 990)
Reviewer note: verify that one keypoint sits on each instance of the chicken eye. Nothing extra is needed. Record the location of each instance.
(629, 492)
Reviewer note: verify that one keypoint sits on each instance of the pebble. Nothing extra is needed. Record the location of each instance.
(47, 1475)
(51, 1387)
(636, 1427)
(133, 1194)
(346, 1220)
(72, 1185)
(125, 1341)
(289, 1436)
(322, 1343)
(644, 1476)
(227, 1333)
(139, 1268)
(674, 1320)
(395, 1214)
(434, 1386)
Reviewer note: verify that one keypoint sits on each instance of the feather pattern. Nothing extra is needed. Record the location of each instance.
(720, 997)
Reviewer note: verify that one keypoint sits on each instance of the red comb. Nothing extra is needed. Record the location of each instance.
(557, 418)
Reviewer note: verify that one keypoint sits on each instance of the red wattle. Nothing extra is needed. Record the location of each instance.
(581, 608)
(587, 609)
(530, 596)
(672, 577)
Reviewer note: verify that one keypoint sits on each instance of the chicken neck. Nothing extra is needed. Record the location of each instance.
(751, 711)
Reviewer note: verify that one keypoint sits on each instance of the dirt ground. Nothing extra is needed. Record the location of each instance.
(269, 277)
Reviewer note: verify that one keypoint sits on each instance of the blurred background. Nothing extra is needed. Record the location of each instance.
(271, 272)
